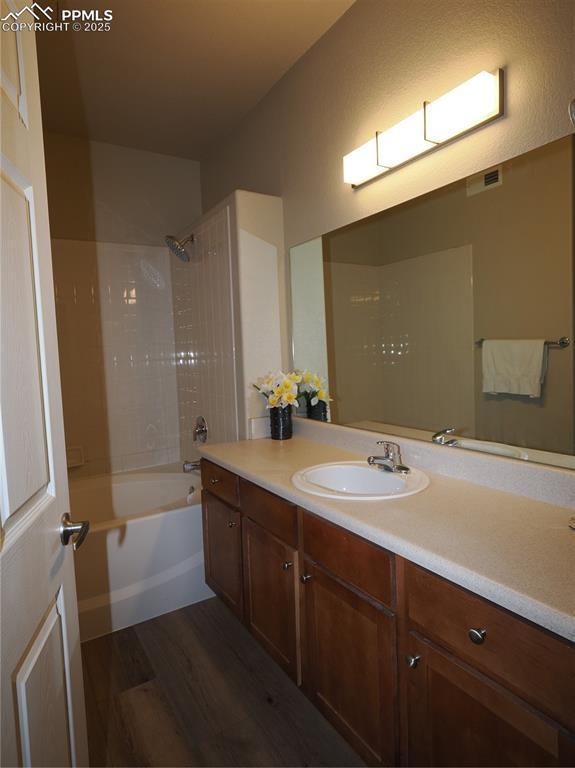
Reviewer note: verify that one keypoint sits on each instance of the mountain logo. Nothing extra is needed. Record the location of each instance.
(35, 10)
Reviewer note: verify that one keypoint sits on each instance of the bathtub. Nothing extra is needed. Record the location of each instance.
(144, 554)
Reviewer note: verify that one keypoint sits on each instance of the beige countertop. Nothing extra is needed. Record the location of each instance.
(512, 550)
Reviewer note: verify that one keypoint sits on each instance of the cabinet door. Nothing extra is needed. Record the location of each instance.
(350, 664)
(223, 551)
(458, 717)
(270, 579)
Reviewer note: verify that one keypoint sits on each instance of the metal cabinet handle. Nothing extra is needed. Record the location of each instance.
(412, 660)
(477, 636)
(68, 529)
(305, 578)
(287, 565)
(214, 480)
(231, 524)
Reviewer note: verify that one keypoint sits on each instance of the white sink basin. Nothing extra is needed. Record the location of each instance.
(357, 481)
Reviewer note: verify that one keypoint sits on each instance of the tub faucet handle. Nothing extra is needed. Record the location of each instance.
(200, 432)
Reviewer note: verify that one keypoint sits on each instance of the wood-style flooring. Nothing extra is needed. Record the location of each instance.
(194, 688)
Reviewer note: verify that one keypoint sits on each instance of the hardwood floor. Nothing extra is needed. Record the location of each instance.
(193, 688)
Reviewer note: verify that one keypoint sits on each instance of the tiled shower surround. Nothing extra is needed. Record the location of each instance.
(117, 354)
(146, 346)
(204, 334)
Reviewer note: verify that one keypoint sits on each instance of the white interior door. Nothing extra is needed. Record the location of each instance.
(42, 699)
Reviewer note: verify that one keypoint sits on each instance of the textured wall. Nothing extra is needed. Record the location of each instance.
(115, 194)
(375, 66)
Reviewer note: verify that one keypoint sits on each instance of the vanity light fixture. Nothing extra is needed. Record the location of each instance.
(403, 141)
(361, 165)
(471, 104)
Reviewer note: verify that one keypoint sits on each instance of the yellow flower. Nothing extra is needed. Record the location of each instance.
(307, 377)
(322, 394)
(287, 386)
(279, 391)
(273, 400)
(295, 377)
(289, 398)
(316, 381)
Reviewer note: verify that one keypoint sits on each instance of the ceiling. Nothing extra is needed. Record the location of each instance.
(173, 76)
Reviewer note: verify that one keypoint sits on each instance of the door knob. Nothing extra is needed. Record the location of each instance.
(412, 661)
(287, 565)
(231, 524)
(214, 480)
(305, 578)
(69, 529)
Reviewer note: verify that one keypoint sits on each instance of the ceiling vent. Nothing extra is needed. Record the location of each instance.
(484, 180)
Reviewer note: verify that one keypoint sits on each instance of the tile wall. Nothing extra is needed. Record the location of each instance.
(204, 334)
(117, 354)
(402, 338)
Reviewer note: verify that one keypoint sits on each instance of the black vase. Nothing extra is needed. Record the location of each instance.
(317, 411)
(280, 423)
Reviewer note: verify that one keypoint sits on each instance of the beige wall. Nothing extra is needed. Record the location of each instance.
(106, 193)
(110, 208)
(374, 67)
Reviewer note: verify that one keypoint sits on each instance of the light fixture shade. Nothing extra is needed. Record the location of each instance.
(474, 102)
(361, 165)
(403, 141)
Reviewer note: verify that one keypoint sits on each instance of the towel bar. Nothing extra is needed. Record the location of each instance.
(561, 343)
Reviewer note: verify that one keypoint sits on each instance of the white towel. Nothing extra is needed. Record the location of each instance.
(516, 367)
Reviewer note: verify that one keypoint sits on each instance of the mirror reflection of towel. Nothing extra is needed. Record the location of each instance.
(515, 367)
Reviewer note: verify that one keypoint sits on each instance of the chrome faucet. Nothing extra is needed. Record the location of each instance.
(440, 438)
(191, 466)
(390, 460)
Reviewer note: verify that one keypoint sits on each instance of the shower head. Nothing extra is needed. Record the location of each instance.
(178, 247)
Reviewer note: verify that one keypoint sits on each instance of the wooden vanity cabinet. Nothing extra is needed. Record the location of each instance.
(409, 667)
(223, 550)
(457, 716)
(350, 639)
(270, 590)
(480, 686)
(271, 572)
(350, 664)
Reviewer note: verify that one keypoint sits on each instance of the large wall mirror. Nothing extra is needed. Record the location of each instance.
(395, 311)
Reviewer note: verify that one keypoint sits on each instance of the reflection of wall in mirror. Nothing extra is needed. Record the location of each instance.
(402, 335)
(522, 238)
(308, 307)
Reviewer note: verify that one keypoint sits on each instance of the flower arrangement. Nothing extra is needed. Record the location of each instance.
(312, 388)
(294, 388)
(280, 389)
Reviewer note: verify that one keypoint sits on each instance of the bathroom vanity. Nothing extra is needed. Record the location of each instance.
(411, 667)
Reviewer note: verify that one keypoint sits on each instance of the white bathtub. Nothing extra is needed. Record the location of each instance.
(144, 554)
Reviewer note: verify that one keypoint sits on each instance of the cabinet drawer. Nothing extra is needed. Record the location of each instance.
(220, 482)
(276, 515)
(537, 665)
(355, 560)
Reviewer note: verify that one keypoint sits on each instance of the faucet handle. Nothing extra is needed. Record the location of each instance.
(391, 450)
(439, 437)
